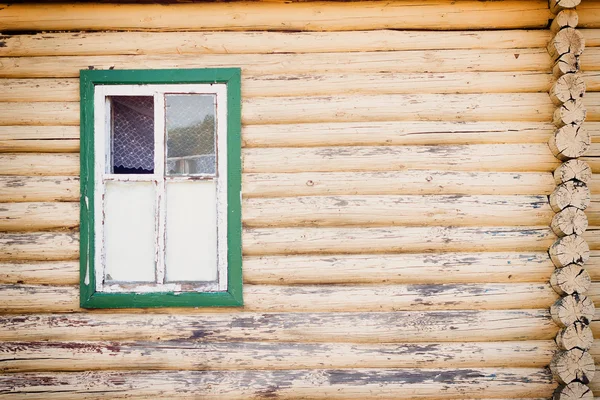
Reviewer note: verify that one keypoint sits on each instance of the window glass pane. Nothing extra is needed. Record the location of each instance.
(132, 134)
(191, 231)
(129, 226)
(190, 122)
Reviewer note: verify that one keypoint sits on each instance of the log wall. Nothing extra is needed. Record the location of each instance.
(396, 176)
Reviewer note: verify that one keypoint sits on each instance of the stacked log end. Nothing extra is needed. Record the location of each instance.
(572, 365)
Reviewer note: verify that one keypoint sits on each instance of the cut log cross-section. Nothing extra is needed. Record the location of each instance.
(569, 221)
(559, 5)
(567, 87)
(570, 249)
(567, 40)
(570, 194)
(567, 63)
(570, 309)
(564, 19)
(570, 141)
(573, 170)
(571, 279)
(573, 365)
(573, 391)
(575, 336)
(572, 112)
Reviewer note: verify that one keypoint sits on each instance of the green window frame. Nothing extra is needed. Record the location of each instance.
(90, 297)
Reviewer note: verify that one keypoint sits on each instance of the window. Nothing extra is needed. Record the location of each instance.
(160, 188)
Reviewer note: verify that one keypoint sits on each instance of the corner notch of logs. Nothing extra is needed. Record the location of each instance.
(572, 365)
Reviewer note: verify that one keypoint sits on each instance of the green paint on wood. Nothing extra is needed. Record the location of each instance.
(233, 296)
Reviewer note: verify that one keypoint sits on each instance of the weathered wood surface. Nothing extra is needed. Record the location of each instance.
(434, 268)
(380, 327)
(185, 355)
(571, 249)
(347, 298)
(571, 279)
(413, 210)
(409, 182)
(462, 60)
(389, 133)
(573, 308)
(15, 164)
(500, 158)
(271, 241)
(38, 216)
(120, 43)
(340, 384)
(535, 107)
(45, 146)
(410, 210)
(589, 14)
(573, 112)
(296, 16)
(524, 158)
(66, 188)
(570, 194)
(573, 391)
(574, 170)
(566, 64)
(558, 5)
(567, 40)
(577, 335)
(568, 87)
(39, 246)
(440, 268)
(40, 188)
(592, 238)
(573, 365)
(564, 19)
(570, 141)
(42, 89)
(47, 273)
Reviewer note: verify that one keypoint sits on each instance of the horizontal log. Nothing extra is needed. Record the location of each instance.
(592, 238)
(363, 211)
(39, 246)
(435, 268)
(44, 273)
(272, 241)
(523, 158)
(38, 216)
(120, 43)
(394, 183)
(589, 14)
(592, 36)
(534, 107)
(314, 384)
(39, 164)
(42, 89)
(386, 133)
(440, 268)
(379, 327)
(32, 132)
(418, 61)
(319, 298)
(499, 158)
(39, 146)
(392, 210)
(184, 355)
(592, 266)
(39, 188)
(278, 16)
(42, 113)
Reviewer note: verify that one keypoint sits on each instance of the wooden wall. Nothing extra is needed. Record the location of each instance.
(395, 205)
(590, 17)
